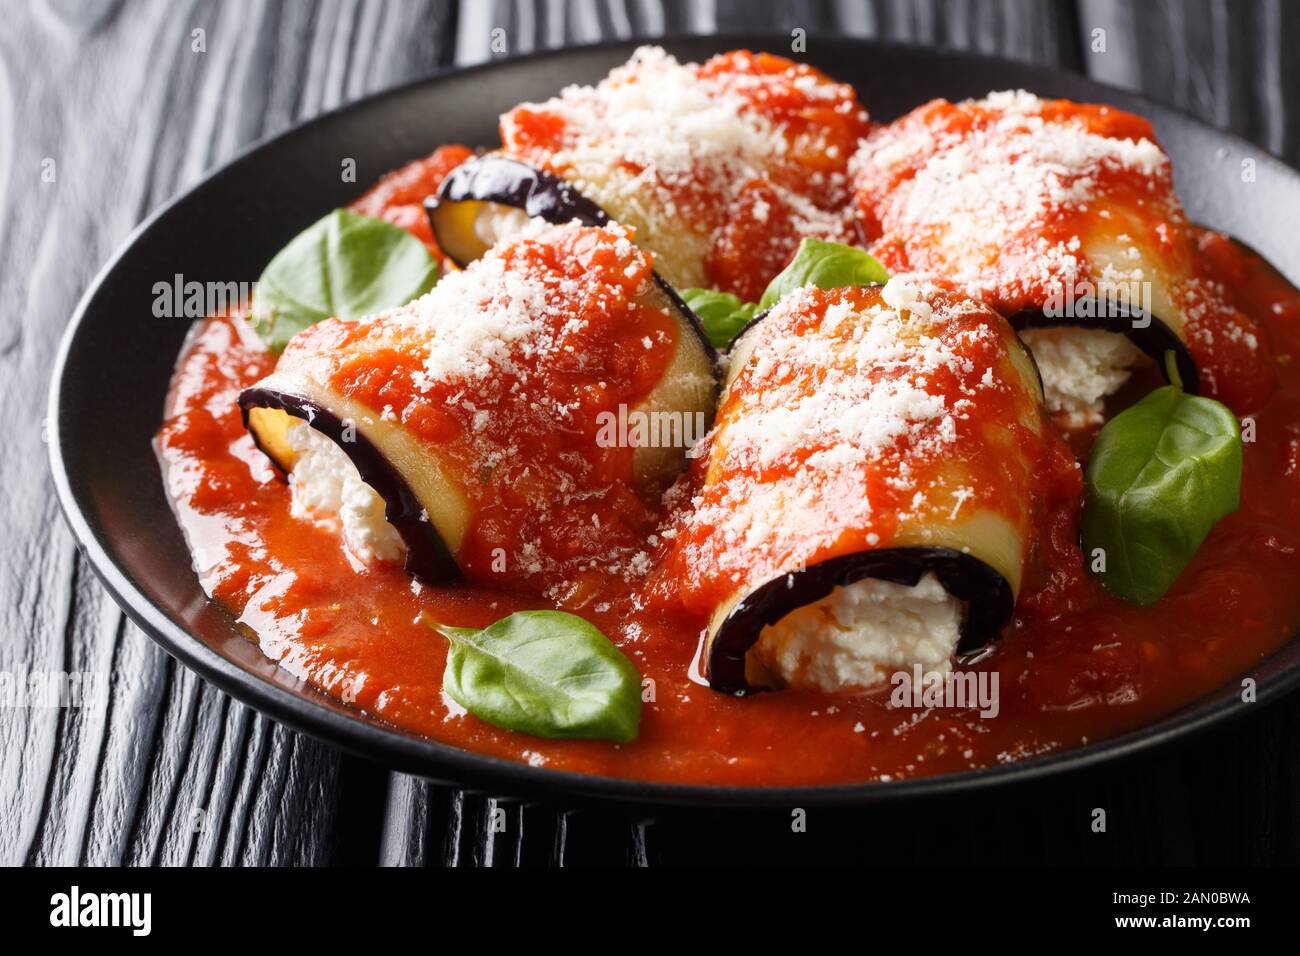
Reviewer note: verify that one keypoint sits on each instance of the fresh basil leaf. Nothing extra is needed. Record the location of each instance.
(722, 314)
(343, 265)
(1161, 474)
(826, 265)
(545, 673)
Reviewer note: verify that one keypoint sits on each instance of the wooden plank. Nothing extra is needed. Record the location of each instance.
(1230, 64)
(45, 616)
(166, 769)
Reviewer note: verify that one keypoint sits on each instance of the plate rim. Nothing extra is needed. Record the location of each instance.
(369, 736)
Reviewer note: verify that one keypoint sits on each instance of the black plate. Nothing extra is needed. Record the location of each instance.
(113, 369)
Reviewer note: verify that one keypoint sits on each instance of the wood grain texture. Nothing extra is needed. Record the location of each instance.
(1228, 63)
(166, 770)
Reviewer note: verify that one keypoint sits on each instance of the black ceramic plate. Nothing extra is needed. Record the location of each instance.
(112, 373)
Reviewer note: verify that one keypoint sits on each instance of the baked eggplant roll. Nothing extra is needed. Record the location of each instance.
(1063, 217)
(721, 167)
(482, 429)
(870, 491)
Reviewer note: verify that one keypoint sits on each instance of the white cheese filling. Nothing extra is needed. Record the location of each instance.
(495, 222)
(1080, 368)
(328, 490)
(857, 636)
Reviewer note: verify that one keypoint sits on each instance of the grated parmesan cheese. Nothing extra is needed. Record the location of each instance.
(977, 202)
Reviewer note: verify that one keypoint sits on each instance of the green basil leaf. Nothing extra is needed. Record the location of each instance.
(826, 265)
(545, 673)
(1161, 474)
(344, 265)
(722, 314)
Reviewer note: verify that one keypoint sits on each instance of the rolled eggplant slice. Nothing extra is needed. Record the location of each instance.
(1061, 215)
(720, 167)
(871, 490)
(480, 414)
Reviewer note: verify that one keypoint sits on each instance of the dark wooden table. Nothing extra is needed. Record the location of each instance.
(114, 99)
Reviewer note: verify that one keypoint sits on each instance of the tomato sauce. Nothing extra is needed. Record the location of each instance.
(1075, 666)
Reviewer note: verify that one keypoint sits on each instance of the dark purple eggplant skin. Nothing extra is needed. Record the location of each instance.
(509, 182)
(427, 556)
(545, 196)
(988, 597)
(1154, 340)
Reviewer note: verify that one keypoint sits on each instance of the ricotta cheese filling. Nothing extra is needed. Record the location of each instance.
(1080, 368)
(495, 222)
(857, 636)
(328, 490)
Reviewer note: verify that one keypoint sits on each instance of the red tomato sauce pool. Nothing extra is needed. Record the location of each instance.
(1075, 666)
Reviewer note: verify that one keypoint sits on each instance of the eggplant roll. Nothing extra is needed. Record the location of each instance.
(870, 491)
(721, 168)
(473, 432)
(1063, 217)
